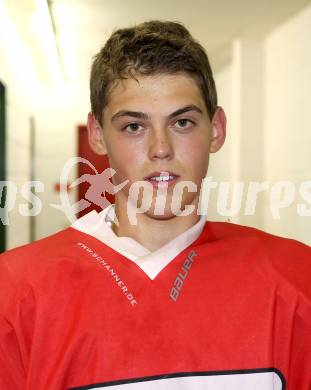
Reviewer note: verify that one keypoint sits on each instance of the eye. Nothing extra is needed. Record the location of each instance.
(184, 123)
(132, 127)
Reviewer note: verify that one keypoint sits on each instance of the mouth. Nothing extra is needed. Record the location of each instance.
(162, 179)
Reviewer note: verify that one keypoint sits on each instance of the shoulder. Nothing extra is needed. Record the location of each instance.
(30, 260)
(232, 231)
(287, 260)
(267, 243)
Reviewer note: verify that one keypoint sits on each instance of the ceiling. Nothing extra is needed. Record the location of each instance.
(82, 27)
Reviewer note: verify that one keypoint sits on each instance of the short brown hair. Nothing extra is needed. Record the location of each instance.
(150, 48)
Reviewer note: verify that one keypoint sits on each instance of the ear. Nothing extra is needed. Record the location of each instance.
(219, 123)
(95, 135)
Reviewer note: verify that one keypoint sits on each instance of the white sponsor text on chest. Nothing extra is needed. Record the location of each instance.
(123, 287)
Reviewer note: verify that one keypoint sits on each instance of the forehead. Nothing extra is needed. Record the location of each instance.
(162, 92)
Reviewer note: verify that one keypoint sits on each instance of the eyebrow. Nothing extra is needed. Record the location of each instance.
(142, 115)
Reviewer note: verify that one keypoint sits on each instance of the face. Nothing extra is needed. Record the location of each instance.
(156, 129)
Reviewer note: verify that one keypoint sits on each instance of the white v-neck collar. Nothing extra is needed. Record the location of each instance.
(98, 225)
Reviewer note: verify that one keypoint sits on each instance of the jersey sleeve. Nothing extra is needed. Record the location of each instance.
(12, 355)
(292, 261)
(300, 356)
(299, 376)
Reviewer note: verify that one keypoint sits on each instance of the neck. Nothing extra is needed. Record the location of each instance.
(152, 232)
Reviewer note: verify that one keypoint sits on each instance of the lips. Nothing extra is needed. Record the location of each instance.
(164, 178)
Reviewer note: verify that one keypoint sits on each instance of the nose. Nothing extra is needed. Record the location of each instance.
(160, 145)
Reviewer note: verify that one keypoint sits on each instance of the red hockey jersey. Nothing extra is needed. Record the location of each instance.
(231, 311)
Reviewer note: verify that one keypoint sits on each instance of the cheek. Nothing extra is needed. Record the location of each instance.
(200, 169)
(195, 153)
(125, 160)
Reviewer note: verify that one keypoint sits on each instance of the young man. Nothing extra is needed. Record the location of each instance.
(163, 300)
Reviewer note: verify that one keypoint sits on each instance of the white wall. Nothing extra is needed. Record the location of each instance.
(29, 95)
(267, 87)
(287, 119)
(240, 161)
(14, 66)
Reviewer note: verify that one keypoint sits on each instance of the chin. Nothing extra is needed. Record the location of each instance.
(166, 215)
(167, 211)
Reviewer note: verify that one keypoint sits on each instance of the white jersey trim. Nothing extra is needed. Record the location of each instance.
(98, 225)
